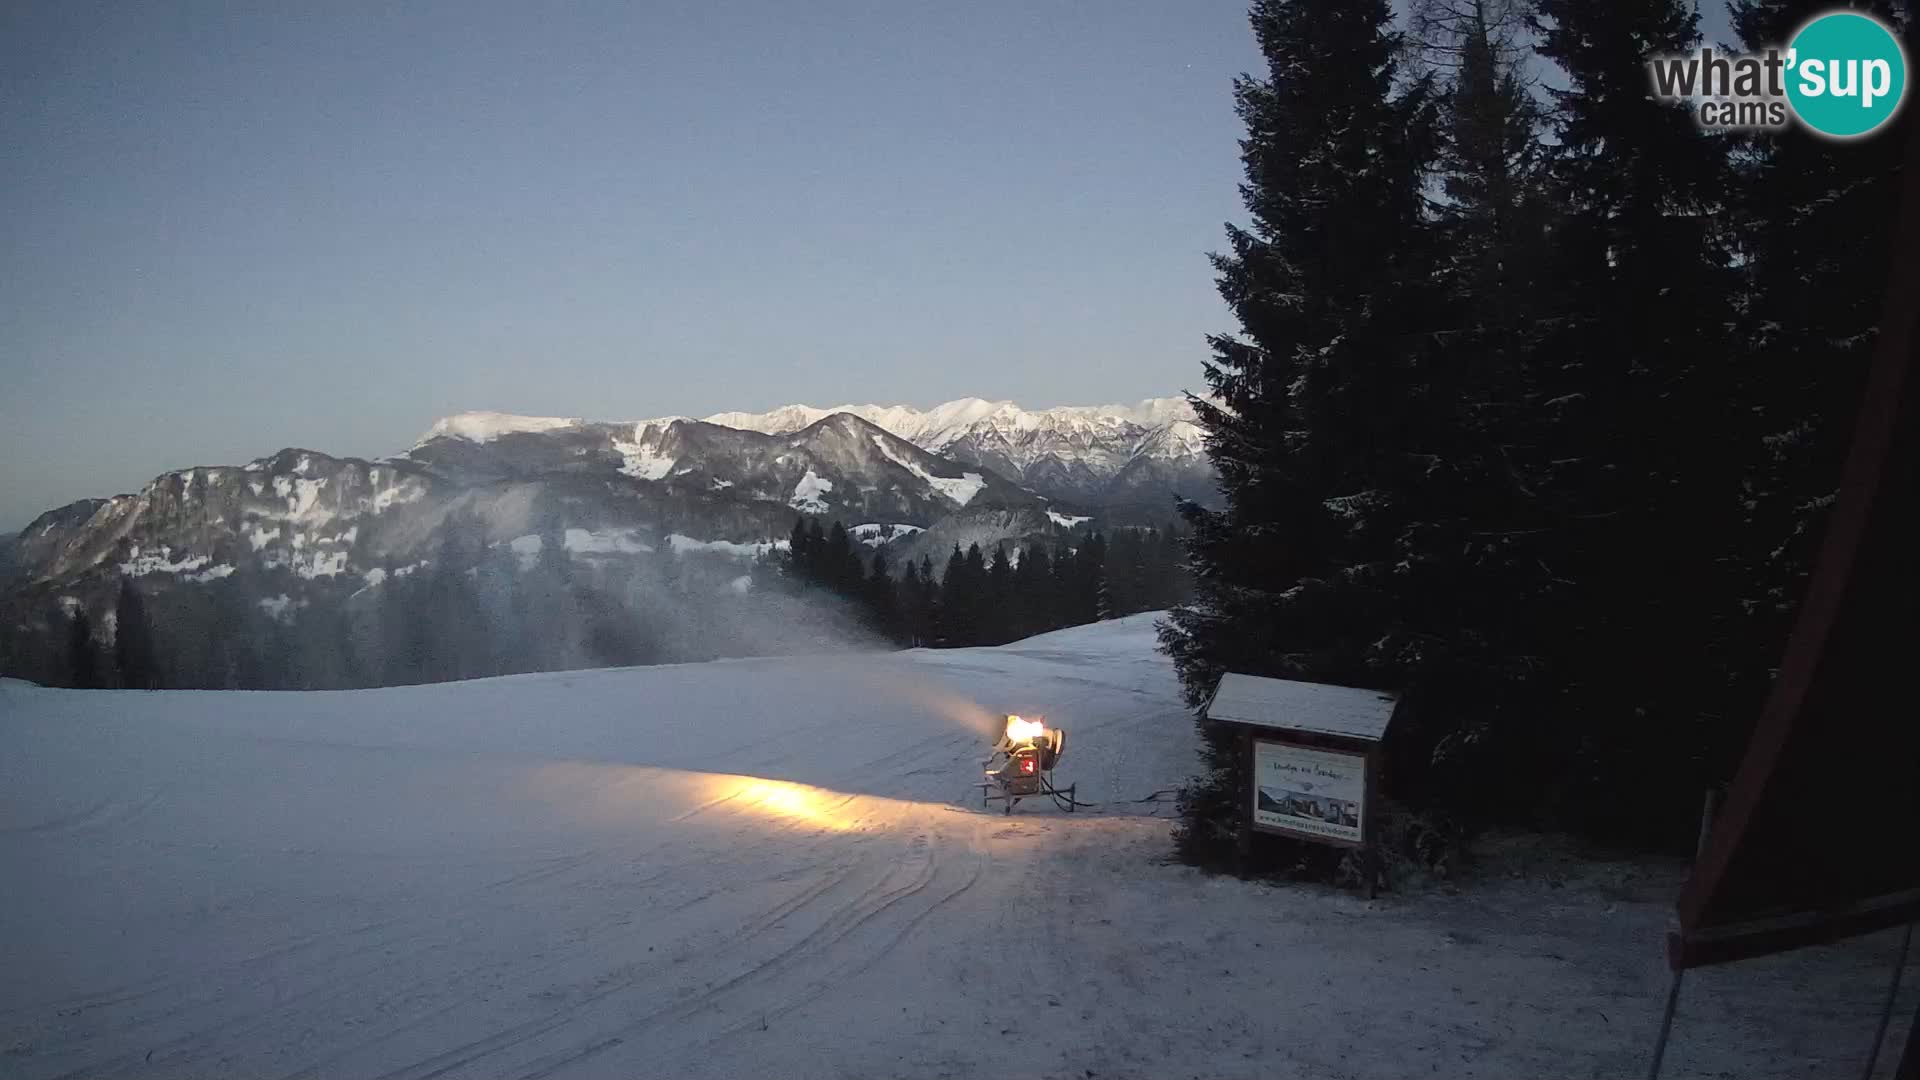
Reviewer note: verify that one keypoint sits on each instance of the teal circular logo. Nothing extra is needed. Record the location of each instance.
(1846, 74)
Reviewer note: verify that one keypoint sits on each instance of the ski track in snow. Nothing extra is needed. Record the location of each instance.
(772, 867)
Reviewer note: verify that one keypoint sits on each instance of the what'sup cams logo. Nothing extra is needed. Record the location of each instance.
(1844, 75)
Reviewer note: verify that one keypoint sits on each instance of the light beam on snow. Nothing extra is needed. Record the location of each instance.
(644, 797)
(797, 803)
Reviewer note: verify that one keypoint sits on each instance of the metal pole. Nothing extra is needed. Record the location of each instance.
(1707, 809)
(1886, 1014)
(1673, 992)
(1666, 1025)
(1909, 1067)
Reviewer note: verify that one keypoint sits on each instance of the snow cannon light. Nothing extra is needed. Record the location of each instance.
(1024, 731)
(1021, 764)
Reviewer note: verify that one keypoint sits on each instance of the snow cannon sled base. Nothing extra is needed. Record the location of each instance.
(1021, 766)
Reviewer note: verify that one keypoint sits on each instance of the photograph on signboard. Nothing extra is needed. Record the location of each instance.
(1317, 793)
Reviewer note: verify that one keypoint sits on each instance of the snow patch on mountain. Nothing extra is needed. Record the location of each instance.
(319, 564)
(281, 608)
(807, 494)
(642, 456)
(527, 550)
(1066, 521)
(605, 542)
(140, 564)
(303, 497)
(961, 490)
(683, 545)
(875, 533)
(397, 494)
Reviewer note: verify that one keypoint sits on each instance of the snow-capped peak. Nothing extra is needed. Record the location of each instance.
(1080, 452)
(944, 424)
(781, 421)
(484, 426)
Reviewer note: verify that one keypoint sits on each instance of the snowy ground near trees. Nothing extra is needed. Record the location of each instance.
(778, 868)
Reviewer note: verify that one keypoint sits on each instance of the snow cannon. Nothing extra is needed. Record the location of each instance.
(1020, 766)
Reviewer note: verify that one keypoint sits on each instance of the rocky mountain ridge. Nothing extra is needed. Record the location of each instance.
(1119, 457)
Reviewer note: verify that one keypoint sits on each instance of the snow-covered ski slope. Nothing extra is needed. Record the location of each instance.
(767, 868)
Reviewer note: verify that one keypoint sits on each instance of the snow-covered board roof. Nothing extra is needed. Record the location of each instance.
(1301, 706)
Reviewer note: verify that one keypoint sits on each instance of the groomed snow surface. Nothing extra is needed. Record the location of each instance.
(777, 868)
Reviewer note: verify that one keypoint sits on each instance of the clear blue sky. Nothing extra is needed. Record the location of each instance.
(234, 227)
(230, 228)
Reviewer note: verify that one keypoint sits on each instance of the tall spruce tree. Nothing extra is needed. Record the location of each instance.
(816, 552)
(956, 602)
(1643, 485)
(1090, 582)
(882, 597)
(1332, 286)
(970, 604)
(83, 670)
(927, 604)
(1493, 213)
(452, 635)
(1032, 584)
(840, 568)
(133, 641)
(799, 560)
(1463, 588)
(1000, 617)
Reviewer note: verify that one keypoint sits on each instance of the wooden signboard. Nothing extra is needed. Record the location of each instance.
(1312, 751)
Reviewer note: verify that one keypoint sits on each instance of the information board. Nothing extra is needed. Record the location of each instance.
(1303, 791)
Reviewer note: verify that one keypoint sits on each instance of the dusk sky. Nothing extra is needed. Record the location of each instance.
(230, 230)
(233, 228)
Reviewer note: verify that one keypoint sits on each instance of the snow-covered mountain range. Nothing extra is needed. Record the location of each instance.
(305, 515)
(838, 466)
(301, 527)
(1093, 455)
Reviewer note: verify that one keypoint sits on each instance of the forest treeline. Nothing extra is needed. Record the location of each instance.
(975, 598)
(477, 608)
